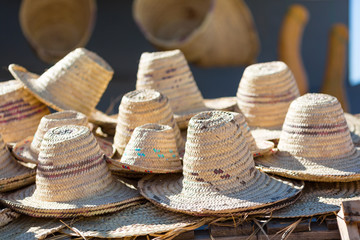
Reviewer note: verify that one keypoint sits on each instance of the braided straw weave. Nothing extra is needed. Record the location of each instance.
(315, 143)
(72, 179)
(7, 216)
(28, 149)
(320, 198)
(265, 93)
(219, 174)
(20, 111)
(76, 82)
(151, 149)
(169, 73)
(138, 108)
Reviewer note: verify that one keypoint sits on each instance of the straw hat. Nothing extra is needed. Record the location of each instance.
(264, 95)
(210, 33)
(169, 73)
(315, 143)
(219, 174)
(353, 122)
(20, 111)
(72, 179)
(222, 104)
(54, 28)
(7, 216)
(138, 108)
(29, 148)
(76, 82)
(13, 175)
(151, 149)
(320, 198)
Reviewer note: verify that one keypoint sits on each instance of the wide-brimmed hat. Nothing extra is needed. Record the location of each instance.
(219, 174)
(138, 108)
(169, 73)
(13, 175)
(29, 148)
(315, 143)
(353, 122)
(72, 179)
(320, 198)
(264, 95)
(76, 82)
(20, 111)
(151, 149)
(222, 103)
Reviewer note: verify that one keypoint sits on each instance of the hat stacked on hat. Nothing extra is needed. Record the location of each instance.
(151, 149)
(20, 111)
(315, 143)
(76, 82)
(138, 108)
(72, 179)
(169, 73)
(264, 95)
(219, 174)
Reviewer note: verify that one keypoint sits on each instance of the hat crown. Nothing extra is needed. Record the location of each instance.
(217, 156)
(245, 129)
(71, 165)
(315, 128)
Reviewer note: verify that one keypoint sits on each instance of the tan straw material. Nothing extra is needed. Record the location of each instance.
(223, 103)
(315, 143)
(20, 111)
(72, 179)
(169, 73)
(320, 198)
(209, 32)
(353, 122)
(28, 149)
(76, 82)
(54, 28)
(138, 108)
(219, 174)
(7, 216)
(151, 149)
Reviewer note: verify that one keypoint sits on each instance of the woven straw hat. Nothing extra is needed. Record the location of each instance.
(13, 175)
(169, 73)
(353, 122)
(29, 148)
(7, 216)
(151, 149)
(219, 170)
(20, 111)
(315, 143)
(264, 95)
(138, 108)
(72, 179)
(76, 82)
(320, 198)
(222, 103)
(208, 32)
(54, 28)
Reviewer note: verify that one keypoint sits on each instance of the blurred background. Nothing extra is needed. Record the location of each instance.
(119, 41)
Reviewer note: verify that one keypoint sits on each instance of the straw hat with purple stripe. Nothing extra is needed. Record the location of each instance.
(72, 179)
(315, 143)
(20, 111)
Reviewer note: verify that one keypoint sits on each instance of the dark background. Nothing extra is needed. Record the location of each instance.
(118, 40)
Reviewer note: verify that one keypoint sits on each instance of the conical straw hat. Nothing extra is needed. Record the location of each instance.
(315, 143)
(264, 95)
(29, 148)
(138, 108)
(219, 170)
(72, 179)
(13, 175)
(151, 149)
(20, 111)
(320, 198)
(76, 82)
(210, 32)
(54, 28)
(169, 73)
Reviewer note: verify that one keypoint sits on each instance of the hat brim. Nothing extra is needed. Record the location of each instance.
(335, 170)
(266, 134)
(222, 104)
(110, 200)
(106, 122)
(320, 198)
(182, 118)
(262, 147)
(22, 150)
(353, 122)
(167, 191)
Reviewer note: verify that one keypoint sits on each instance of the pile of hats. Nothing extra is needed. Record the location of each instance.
(173, 162)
